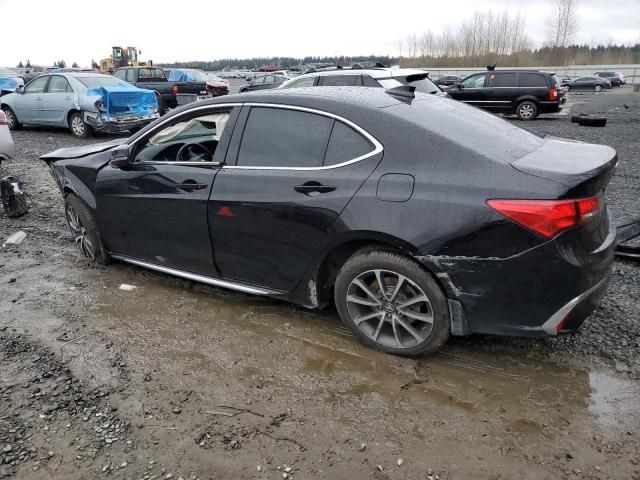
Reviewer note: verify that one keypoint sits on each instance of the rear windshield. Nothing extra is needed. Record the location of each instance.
(469, 127)
(91, 82)
(424, 85)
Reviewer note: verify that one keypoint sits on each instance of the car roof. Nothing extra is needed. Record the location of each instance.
(377, 72)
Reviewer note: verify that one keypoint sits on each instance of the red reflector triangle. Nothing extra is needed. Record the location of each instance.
(225, 212)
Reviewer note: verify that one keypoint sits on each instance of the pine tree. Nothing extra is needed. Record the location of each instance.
(20, 65)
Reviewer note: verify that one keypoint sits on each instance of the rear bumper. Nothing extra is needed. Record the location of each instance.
(546, 290)
(551, 107)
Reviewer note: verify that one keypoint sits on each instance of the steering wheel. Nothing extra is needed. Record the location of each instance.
(196, 153)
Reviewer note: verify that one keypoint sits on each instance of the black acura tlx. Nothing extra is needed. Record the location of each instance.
(419, 216)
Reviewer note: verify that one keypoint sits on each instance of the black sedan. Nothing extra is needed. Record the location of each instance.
(418, 216)
(263, 82)
(447, 80)
(587, 83)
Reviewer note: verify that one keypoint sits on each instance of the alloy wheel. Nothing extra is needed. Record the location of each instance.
(78, 126)
(79, 233)
(526, 111)
(390, 309)
(597, 88)
(11, 119)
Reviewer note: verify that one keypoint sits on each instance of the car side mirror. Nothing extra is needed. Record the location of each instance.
(459, 86)
(20, 89)
(120, 156)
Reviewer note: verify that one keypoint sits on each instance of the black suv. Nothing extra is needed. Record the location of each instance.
(526, 93)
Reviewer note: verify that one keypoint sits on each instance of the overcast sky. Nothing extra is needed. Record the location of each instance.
(80, 30)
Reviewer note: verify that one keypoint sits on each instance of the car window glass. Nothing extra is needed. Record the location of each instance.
(303, 82)
(276, 137)
(130, 75)
(150, 74)
(476, 81)
(532, 80)
(502, 80)
(58, 84)
(369, 81)
(583, 79)
(339, 80)
(119, 74)
(37, 85)
(345, 144)
(199, 136)
(258, 80)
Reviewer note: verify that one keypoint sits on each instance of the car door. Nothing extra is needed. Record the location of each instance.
(501, 91)
(255, 84)
(155, 208)
(584, 83)
(291, 172)
(470, 90)
(57, 101)
(29, 103)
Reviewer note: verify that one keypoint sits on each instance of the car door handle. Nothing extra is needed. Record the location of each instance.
(191, 185)
(313, 188)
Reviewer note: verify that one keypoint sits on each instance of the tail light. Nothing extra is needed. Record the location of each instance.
(174, 90)
(3, 118)
(553, 93)
(548, 217)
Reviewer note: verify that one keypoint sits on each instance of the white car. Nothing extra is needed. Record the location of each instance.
(7, 147)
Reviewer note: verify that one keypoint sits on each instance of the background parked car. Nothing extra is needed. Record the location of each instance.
(214, 88)
(7, 147)
(419, 219)
(366, 77)
(616, 78)
(263, 82)
(83, 102)
(447, 80)
(154, 78)
(587, 83)
(527, 93)
(9, 81)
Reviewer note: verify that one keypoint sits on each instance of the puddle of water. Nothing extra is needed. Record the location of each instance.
(214, 332)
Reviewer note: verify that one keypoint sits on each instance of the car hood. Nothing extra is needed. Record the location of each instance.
(78, 152)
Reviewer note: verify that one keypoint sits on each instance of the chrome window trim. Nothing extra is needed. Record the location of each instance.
(377, 145)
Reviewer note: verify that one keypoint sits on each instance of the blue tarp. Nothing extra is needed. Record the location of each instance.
(178, 75)
(8, 83)
(125, 100)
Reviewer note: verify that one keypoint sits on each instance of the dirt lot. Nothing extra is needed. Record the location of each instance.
(179, 380)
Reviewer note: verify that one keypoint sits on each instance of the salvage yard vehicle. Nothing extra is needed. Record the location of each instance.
(263, 82)
(527, 93)
(154, 78)
(10, 81)
(587, 83)
(215, 86)
(447, 81)
(370, 77)
(82, 102)
(616, 78)
(418, 216)
(7, 147)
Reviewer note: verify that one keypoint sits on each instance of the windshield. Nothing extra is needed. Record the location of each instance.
(99, 81)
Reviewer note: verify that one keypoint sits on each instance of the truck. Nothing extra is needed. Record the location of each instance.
(170, 94)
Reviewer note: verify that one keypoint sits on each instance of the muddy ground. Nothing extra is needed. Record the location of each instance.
(180, 380)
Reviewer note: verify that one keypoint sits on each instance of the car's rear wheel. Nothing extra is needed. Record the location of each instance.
(597, 88)
(12, 120)
(527, 110)
(84, 230)
(78, 126)
(392, 304)
(568, 87)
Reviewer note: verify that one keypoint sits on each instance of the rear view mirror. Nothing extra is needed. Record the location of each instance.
(120, 156)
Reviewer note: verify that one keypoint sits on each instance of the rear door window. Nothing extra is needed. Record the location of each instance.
(497, 80)
(345, 144)
(131, 77)
(532, 80)
(303, 82)
(340, 80)
(120, 74)
(277, 137)
(369, 81)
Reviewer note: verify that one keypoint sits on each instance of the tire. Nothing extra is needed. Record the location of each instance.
(84, 230)
(587, 121)
(78, 126)
(568, 87)
(419, 328)
(577, 118)
(527, 110)
(597, 88)
(12, 119)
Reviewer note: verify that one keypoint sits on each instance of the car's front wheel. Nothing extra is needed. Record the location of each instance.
(78, 126)
(392, 304)
(84, 230)
(12, 120)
